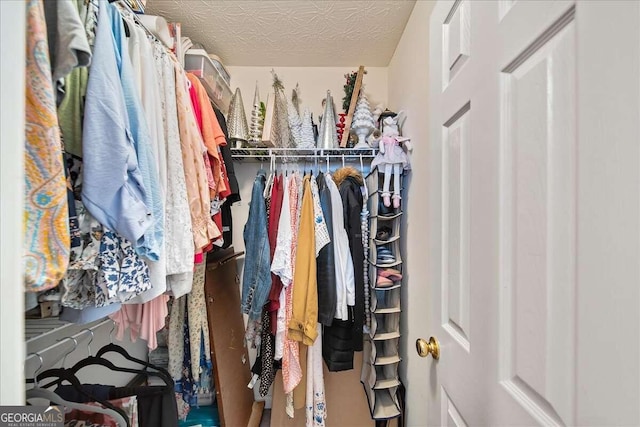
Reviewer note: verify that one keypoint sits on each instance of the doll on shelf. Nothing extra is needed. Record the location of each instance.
(392, 159)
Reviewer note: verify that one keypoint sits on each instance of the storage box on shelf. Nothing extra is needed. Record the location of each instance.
(213, 75)
(379, 374)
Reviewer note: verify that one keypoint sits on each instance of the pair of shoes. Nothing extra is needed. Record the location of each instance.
(396, 201)
(385, 256)
(390, 273)
(384, 233)
(385, 211)
(383, 282)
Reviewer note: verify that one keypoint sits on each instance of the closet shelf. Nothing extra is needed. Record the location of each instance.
(383, 336)
(256, 154)
(386, 383)
(387, 360)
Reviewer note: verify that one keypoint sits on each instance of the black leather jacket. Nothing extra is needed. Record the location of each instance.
(352, 204)
(342, 338)
(325, 264)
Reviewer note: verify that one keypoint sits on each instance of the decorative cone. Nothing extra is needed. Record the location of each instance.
(257, 121)
(237, 121)
(308, 139)
(295, 125)
(280, 134)
(328, 135)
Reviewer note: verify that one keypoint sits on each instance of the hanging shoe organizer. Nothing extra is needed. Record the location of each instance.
(381, 347)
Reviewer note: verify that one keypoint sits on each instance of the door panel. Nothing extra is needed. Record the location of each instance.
(535, 186)
(538, 222)
(451, 417)
(455, 227)
(456, 40)
(461, 132)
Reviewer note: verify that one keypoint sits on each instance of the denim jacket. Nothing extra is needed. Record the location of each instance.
(256, 277)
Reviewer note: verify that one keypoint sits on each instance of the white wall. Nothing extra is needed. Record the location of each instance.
(12, 52)
(314, 82)
(408, 91)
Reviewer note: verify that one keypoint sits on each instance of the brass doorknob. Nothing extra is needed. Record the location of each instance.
(425, 348)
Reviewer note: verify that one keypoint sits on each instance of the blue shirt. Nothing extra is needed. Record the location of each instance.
(151, 245)
(112, 188)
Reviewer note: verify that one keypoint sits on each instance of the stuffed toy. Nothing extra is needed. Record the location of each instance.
(392, 159)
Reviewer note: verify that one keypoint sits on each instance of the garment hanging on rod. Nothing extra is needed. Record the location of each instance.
(39, 393)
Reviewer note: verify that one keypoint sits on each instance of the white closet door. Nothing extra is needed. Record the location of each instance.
(536, 154)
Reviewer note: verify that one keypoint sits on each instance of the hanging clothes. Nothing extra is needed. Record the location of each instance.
(113, 191)
(233, 195)
(212, 134)
(142, 320)
(71, 110)
(326, 266)
(338, 343)
(256, 279)
(178, 236)
(129, 406)
(152, 245)
(315, 402)
(345, 285)
(122, 273)
(197, 112)
(225, 150)
(349, 180)
(46, 217)
(291, 367)
(204, 230)
(277, 198)
(143, 59)
(281, 266)
(198, 324)
(302, 326)
(264, 367)
(67, 41)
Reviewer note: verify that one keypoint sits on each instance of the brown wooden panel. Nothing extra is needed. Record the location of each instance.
(226, 329)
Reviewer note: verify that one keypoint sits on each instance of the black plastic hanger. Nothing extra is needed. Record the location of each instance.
(62, 374)
(114, 348)
(100, 361)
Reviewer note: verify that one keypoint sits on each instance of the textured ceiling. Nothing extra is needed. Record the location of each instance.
(292, 32)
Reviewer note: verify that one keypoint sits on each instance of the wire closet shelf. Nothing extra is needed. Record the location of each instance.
(257, 154)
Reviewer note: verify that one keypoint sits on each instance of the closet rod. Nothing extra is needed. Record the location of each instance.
(123, 4)
(305, 158)
(84, 333)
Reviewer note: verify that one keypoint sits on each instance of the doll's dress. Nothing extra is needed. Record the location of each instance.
(393, 154)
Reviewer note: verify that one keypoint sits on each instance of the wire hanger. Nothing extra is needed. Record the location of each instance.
(75, 346)
(37, 371)
(113, 329)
